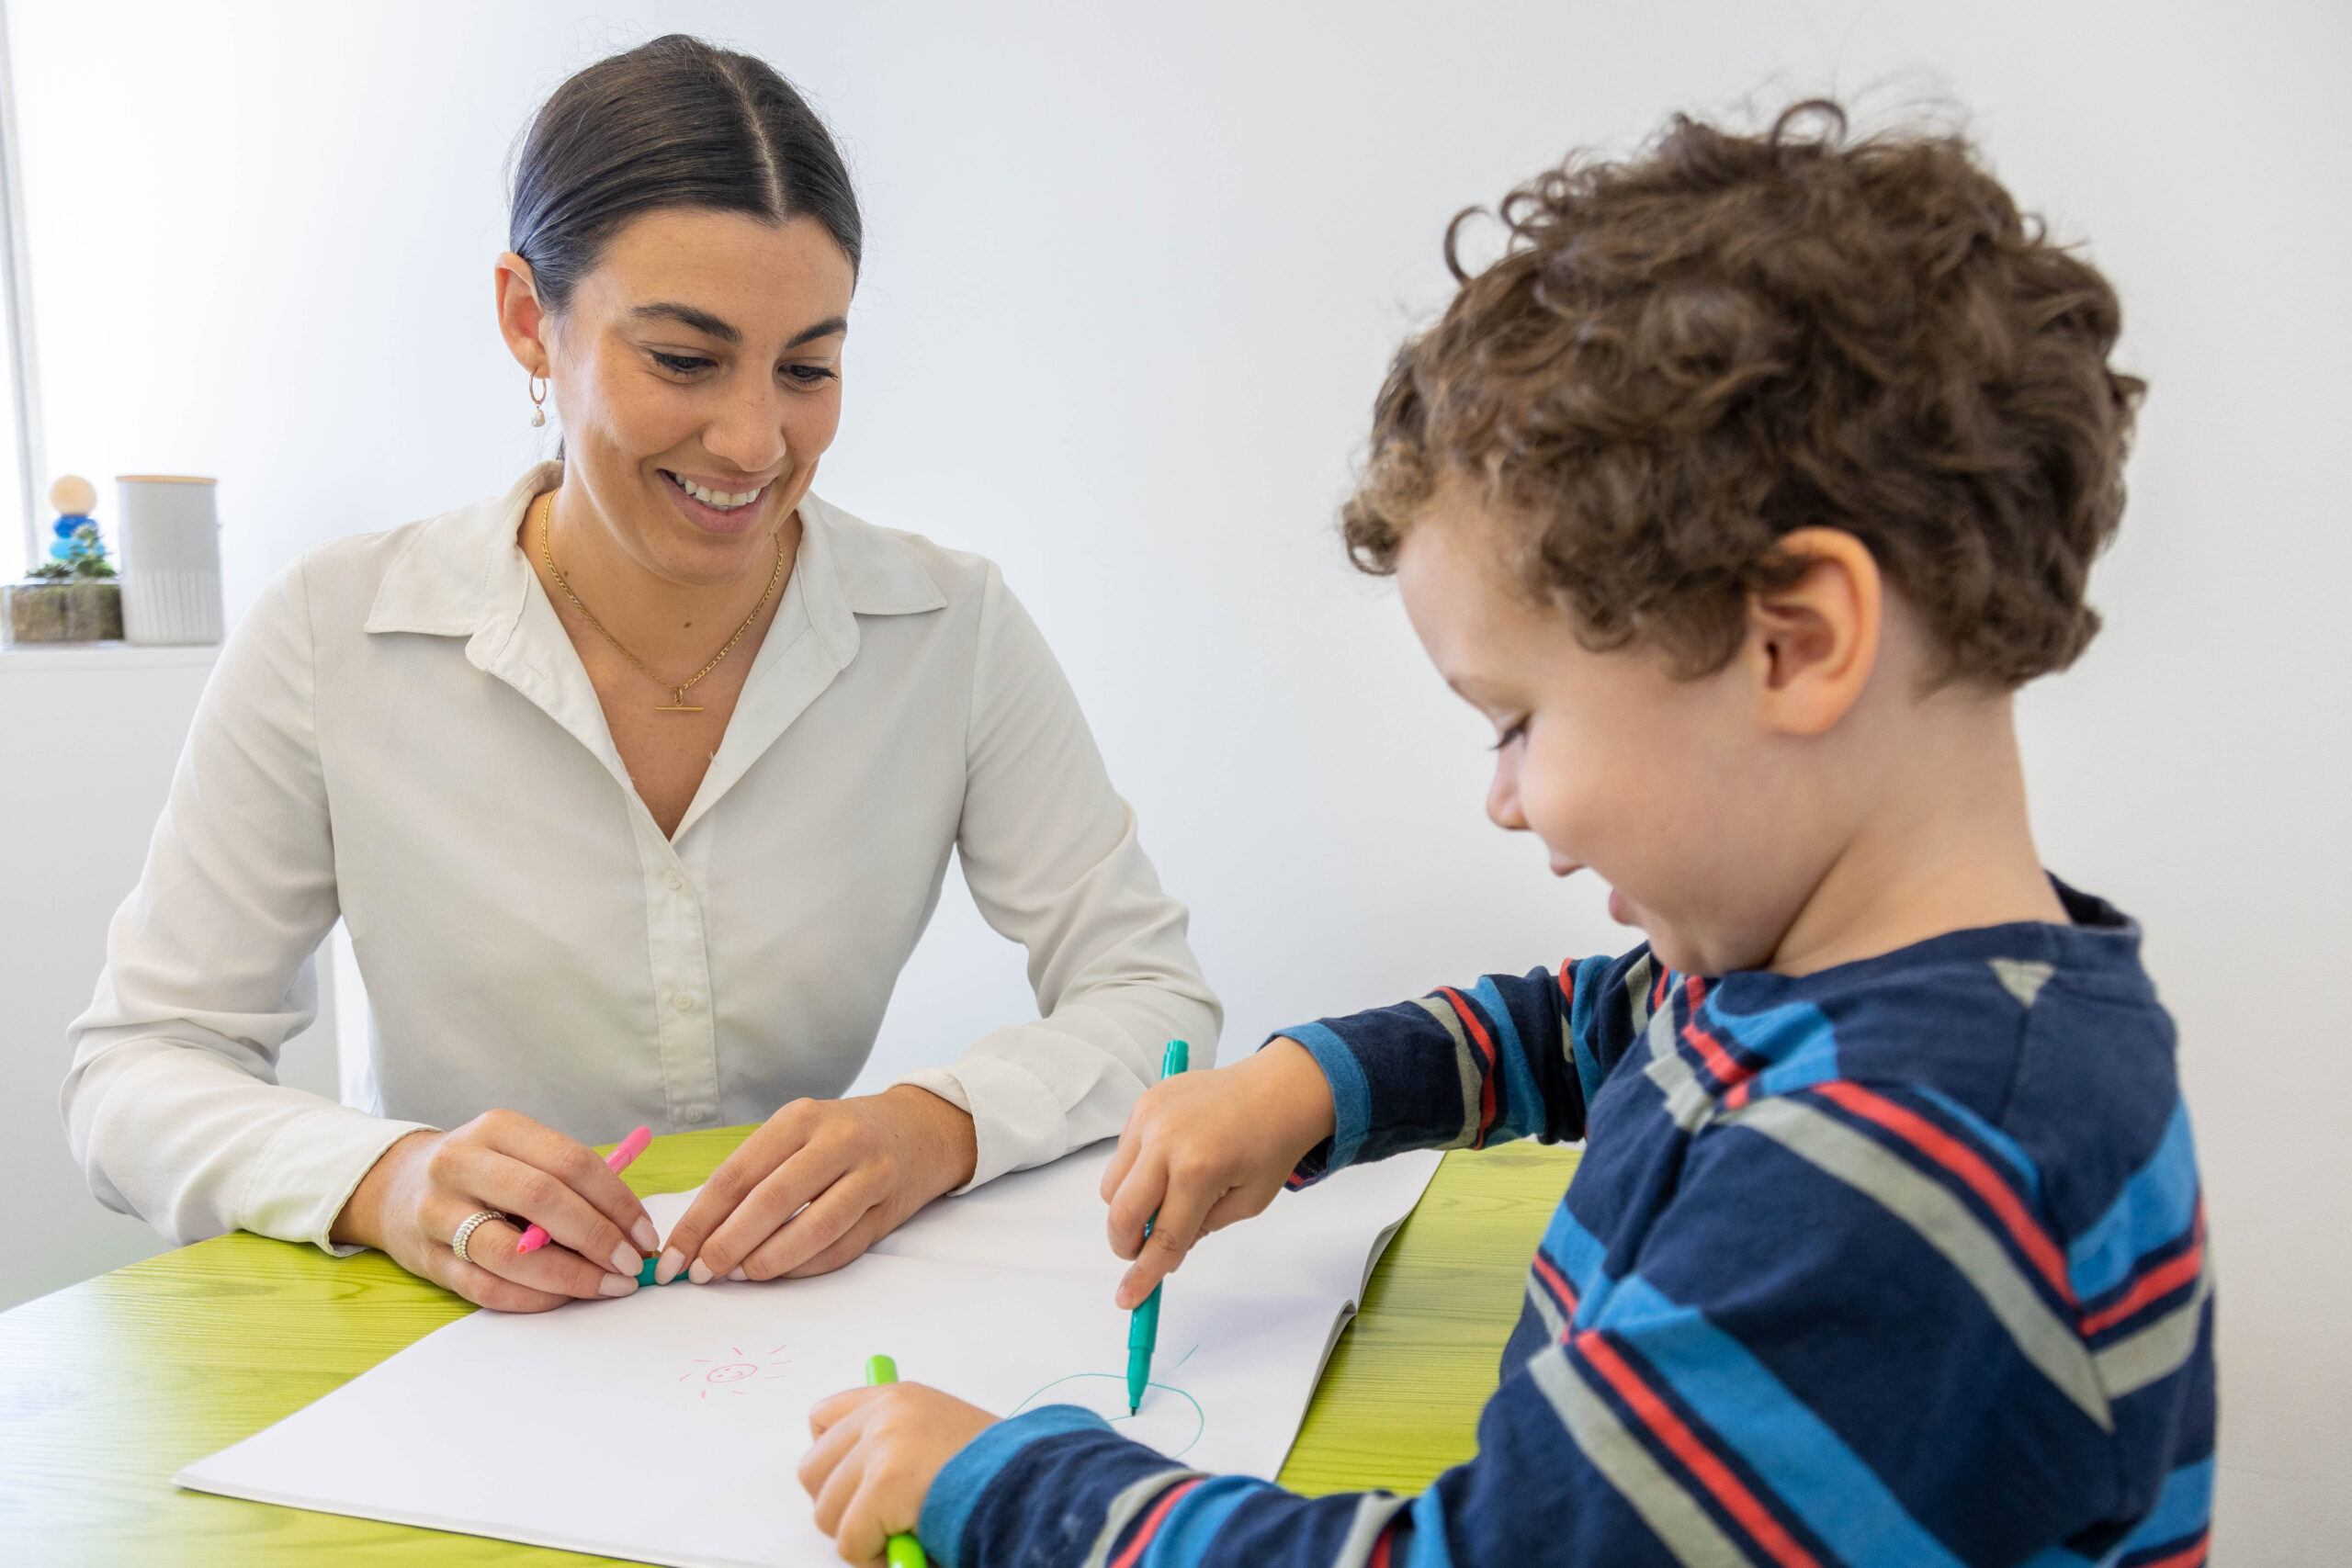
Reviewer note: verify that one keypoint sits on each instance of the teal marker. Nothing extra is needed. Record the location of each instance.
(1143, 1324)
(902, 1551)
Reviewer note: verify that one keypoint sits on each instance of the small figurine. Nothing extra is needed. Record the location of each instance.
(74, 496)
(78, 552)
(73, 596)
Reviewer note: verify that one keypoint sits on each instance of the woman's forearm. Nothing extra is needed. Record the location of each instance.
(1054, 860)
(178, 1131)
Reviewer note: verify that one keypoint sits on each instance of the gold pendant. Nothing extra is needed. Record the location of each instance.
(678, 703)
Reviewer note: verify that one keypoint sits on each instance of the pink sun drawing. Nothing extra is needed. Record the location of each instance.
(716, 1376)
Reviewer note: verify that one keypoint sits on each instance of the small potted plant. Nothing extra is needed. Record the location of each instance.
(73, 596)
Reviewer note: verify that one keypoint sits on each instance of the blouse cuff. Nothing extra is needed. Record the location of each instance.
(300, 1183)
(1017, 1122)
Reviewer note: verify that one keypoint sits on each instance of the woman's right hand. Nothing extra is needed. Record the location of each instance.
(413, 1199)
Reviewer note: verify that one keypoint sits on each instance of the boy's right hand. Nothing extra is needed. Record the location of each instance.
(1205, 1149)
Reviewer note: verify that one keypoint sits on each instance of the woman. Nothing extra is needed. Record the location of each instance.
(635, 786)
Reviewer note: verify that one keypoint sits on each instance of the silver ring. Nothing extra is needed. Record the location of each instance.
(466, 1231)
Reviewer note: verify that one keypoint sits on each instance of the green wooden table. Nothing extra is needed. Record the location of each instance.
(109, 1388)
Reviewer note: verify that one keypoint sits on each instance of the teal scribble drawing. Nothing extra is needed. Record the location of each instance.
(1172, 1423)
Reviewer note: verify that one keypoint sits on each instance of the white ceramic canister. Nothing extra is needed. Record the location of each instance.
(170, 535)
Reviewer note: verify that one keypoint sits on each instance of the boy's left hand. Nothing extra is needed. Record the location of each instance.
(877, 1453)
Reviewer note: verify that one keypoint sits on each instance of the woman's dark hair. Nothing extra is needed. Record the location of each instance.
(671, 123)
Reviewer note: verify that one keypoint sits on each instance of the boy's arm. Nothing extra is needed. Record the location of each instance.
(1826, 1350)
(1512, 1056)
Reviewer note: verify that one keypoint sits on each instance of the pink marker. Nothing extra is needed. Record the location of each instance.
(630, 1147)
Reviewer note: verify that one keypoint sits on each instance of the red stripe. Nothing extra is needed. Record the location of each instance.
(1150, 1526)
(2189, 1556)
(2156, 1283)
(1565, 1292)
(1964, 1163)
(1486, 1049)
(1737, 1499)
(1657, 993)
(1379, 1558)
(1738, 1095)
(1720, 1061)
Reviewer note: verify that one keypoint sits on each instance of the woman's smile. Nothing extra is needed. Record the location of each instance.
(711, 505)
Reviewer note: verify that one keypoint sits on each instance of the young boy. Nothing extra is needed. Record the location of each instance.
(1740, 495)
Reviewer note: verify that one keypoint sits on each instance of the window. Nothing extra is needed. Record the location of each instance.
(20, 475)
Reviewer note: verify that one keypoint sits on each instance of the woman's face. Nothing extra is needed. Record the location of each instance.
(697, 370)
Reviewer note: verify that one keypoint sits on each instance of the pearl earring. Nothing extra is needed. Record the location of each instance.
(539, 403)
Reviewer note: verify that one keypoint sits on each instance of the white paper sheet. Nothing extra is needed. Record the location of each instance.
(667, 1425)
(1320, 1241)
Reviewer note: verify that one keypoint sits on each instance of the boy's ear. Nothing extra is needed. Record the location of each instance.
(1811, 646)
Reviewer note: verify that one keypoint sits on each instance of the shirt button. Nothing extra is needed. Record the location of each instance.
(684, 1003)
(676, 882)
(697, 1115)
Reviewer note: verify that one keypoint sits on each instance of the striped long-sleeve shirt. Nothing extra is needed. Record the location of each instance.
(1898, 1263)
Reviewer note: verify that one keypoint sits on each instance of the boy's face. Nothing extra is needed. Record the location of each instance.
(1671, 790)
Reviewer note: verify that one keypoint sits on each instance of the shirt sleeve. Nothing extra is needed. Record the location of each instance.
(172, 1105)
(1512, 1056)
(1824, 1350)
(1052, 858)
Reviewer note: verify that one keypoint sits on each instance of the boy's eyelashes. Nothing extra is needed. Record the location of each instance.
(1516, 730)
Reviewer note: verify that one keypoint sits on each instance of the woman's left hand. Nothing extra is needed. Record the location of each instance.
(819, 1183)
(877, 1454)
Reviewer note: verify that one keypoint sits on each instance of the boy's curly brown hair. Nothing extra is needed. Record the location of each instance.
(1680, 358)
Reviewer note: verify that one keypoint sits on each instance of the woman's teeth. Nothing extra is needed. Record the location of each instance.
(718, 499)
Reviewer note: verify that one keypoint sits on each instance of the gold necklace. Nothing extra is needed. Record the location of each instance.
(677, 703)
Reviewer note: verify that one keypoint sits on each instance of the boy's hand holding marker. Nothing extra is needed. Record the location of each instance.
(1203, 1150)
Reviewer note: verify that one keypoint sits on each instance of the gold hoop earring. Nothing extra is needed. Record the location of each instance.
(538, 402)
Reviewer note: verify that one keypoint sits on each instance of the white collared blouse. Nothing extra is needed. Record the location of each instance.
(399, 733)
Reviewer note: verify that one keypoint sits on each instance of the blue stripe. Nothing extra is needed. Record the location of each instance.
(1429, 1549)
(1523, 1104)
(1589, 1073)
(1992, 1137)
(1350, 1094)
(2184, 1508)
(1796, 1038)
(2154, 1207)
(1583, 1256)
(956, 1489)
(1777, 1033)
(1576, 1250)
(1840, 1497)
(1183, 1537)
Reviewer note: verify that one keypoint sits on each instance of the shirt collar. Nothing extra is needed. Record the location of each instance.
(462, 575)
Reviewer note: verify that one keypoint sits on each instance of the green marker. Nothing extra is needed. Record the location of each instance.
(1143, 1324)
(903, 1551)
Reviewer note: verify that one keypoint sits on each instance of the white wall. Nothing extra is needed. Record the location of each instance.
(1133, 275)
(88, 741)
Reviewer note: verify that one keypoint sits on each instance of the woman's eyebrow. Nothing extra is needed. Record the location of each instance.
(702, 321)
(709, 325)
(825, 328)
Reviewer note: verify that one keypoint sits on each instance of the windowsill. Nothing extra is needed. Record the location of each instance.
(27, 656)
